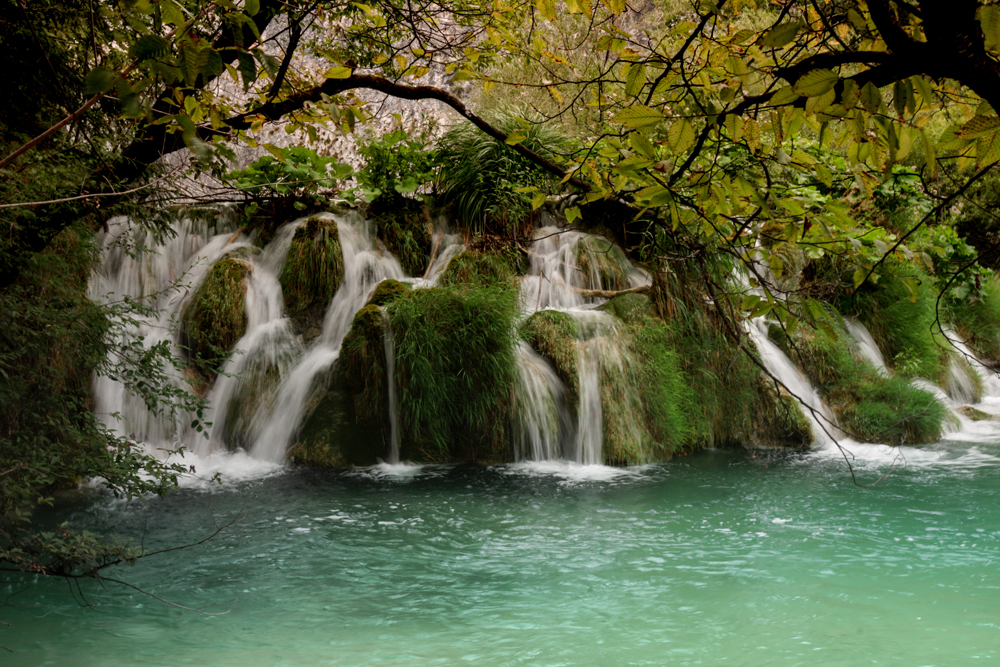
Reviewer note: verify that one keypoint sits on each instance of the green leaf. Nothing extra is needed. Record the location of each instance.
(99, 80)
(636, 79)
(780, 35)
(871, 98)
(149, 46)
(537, 200)
(573, 213)
(642, 145)
(338, 73)
(515, 137)
(252, 7)
(681, 135)
(979, 126)
(816, 83)
(638, 116)
(248, 69)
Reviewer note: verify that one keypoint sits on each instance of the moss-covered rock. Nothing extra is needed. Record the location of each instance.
(314, 266)
(215, 318)
(630, 308)
(362, 358)
(476, 268)
(977, 415)
(554, 335)
(333, 436)
(386, 292)
(603, 263)
(780, 421)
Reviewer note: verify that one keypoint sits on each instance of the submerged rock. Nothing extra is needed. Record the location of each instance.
(977, 415)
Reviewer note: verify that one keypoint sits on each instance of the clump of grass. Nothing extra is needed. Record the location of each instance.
(868, 405)
(480, 176)
(455, 365)
(603, 262)
(476, 268)
(903, 325)
(554, 335)
(386, 292)
(314, 266)
(216, 316)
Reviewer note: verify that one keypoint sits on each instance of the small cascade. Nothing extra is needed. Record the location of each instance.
(541, 408)
(446, 247)
(390, 378)
(824, 423)
(865, 345)
(555, 281)
(364, 268)
(164, 275)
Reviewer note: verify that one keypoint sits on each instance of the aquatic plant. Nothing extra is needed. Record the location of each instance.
(314, 266)
(216, 316)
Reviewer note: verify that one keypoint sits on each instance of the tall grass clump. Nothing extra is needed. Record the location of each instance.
(314, 266)
(216, 319)
(554, 334)
(480, 176)
(477, 268)
(868, 405)
(455, 365)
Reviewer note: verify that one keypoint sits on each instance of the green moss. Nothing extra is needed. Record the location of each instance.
(314, 266)
(386, 292)
(868, 406)
(455, 368)
(976, 415)
(603, 263)
(216, 316)
(630, 308)
(476, 268)
(781, 421)
(362, 356)
(554, 335)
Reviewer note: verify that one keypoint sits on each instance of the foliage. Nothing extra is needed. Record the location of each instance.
(215, 319)
(53, 340)
(404, 226)
(297, 172)
(395, 164)
(455, 370)
(487, 183)
(314, 266)
(977, 318)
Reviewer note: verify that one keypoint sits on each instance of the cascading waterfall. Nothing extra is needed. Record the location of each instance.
(390, 379)
(555, 282)
(165, 279)
(364, 268)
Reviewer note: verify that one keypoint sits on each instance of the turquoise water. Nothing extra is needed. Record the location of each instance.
(725, 557)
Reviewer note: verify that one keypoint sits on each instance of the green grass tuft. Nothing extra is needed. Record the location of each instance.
(387, 291)
(476, 268)
(554, 335)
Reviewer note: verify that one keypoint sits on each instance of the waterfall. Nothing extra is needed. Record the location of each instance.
(865, 345)
(390, 378)
(548, 429)
(163, 274)
(364, 268)
(824, 424)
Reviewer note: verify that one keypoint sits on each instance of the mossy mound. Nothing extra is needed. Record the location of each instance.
(403, 225)
(553, 334)
(362, 358)
(868, 405)
(455, 372)
(386, 292)
(603, 263)
(314, 266)
(333, 435)
(476, 268)
(630, 308)
(781, 421)
(215, 319)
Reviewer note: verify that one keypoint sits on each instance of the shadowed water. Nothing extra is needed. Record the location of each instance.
(725, 557)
